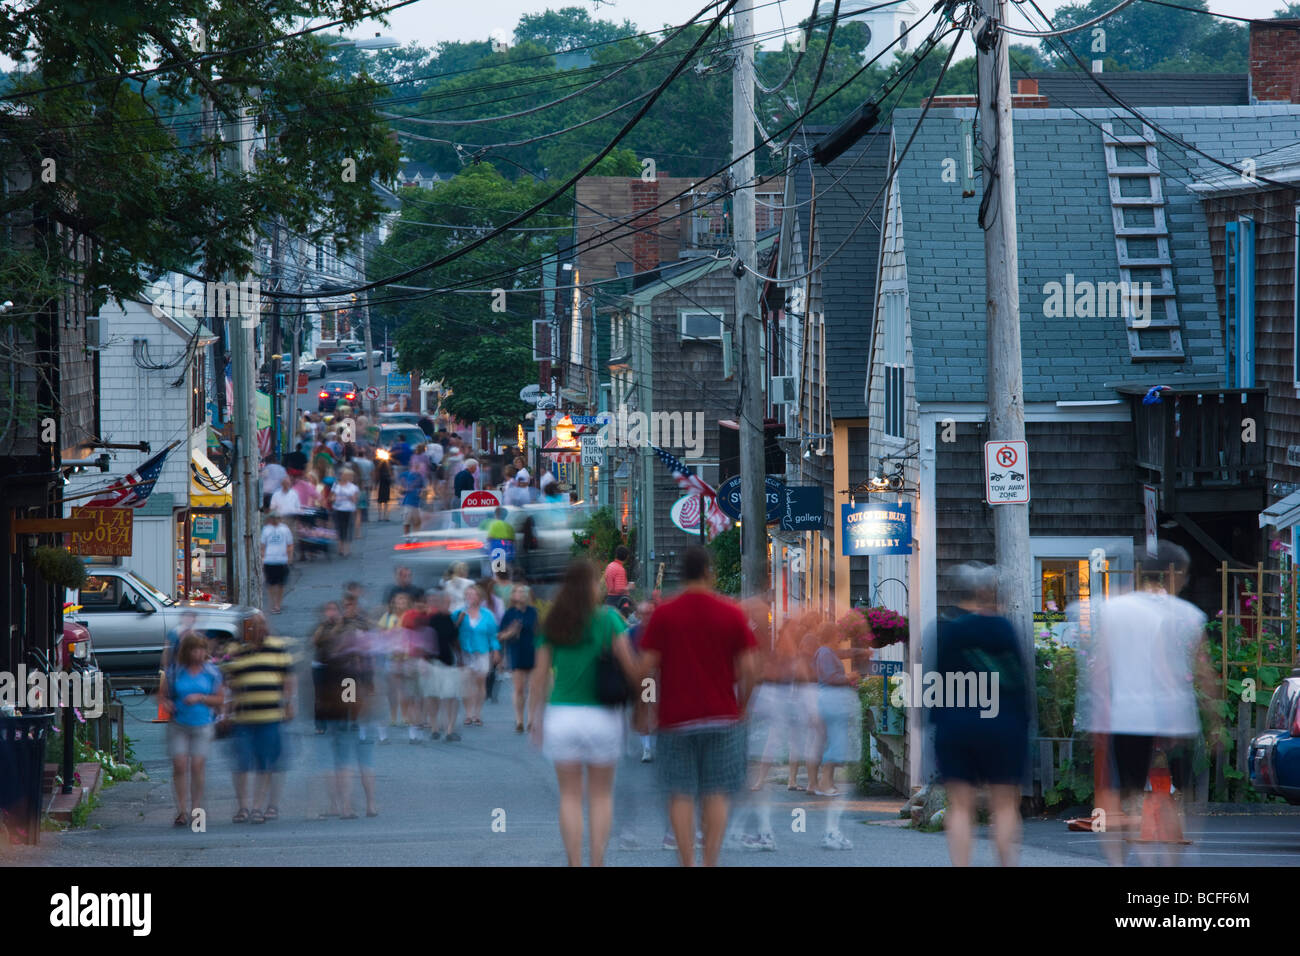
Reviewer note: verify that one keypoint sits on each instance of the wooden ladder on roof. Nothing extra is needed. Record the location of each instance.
(1137, 206)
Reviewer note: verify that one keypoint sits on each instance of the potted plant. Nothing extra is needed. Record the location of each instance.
(60, 567)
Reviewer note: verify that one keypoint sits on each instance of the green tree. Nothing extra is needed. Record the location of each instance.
(1143, 36)
(475, 340)
(134, 168)
(569, 28)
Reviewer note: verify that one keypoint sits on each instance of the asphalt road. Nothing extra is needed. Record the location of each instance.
(491, 799)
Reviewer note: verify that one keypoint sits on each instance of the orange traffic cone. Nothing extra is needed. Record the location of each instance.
(162, 717)
(1160, 818)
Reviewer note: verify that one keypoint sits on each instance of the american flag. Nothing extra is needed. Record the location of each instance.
(132, 490)
(689, 481)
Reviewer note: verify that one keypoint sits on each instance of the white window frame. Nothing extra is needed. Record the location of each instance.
(893, 357)
(681, 325)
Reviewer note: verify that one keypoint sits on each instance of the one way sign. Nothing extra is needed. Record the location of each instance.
(1006, 472)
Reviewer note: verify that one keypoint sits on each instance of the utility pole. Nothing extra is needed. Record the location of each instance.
(753, 467)
(245, 484)
(277, 365)
(1002, 290)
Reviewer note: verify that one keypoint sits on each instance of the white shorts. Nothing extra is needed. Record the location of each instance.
(478, 663)
(579, 733)
(188, 740)
(447, 682)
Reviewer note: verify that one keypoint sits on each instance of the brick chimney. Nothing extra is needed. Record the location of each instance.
(645, 243)
(1275, 61)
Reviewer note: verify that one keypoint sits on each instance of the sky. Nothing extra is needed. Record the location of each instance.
(429, 22)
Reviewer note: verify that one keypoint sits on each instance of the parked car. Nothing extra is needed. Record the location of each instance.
(130, 618)
(340, 361)
(313, 366)
(457, 536)
(1274, 760)
(376, 357)
(337, 391)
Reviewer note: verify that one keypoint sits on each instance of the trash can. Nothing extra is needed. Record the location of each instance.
(22, 764)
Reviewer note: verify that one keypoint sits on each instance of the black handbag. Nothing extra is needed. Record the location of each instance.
(612, 689)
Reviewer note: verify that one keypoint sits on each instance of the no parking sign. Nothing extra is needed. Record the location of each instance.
(1006, 472)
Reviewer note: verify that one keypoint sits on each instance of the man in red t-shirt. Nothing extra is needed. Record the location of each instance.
(704, 650)
(616, 577)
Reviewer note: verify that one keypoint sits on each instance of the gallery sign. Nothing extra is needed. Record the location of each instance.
(872, 528)
(112, 534)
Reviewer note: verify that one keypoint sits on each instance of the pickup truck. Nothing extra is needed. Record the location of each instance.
(130, 618)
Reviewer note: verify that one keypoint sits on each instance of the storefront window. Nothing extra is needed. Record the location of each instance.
(1063, 582)
(207, 547)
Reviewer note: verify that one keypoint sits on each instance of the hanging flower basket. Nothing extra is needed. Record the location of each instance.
(60, 567)
(886, 627)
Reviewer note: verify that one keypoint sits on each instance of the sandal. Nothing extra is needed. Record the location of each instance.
(271, 813)
(256, 816)
(241, 816)
(181, 819)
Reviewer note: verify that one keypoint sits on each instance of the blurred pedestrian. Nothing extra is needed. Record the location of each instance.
(456, 583)
(465, 481)
(259, 672)
(326, 632)
(837, 705)
(448, 672)
(978, 745)
(277, 552)
(578, 730)
(193, 693)
(519, 635)
(392, 667)
(343, 692)
(1142, 660)
(383, 483)
(411, 486)
(616, 576)
(703, 649)
(345, 499)
(477, 629)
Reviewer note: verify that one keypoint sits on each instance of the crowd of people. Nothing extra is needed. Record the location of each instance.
(318, 500)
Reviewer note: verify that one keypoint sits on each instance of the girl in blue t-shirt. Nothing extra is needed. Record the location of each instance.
(193, 692)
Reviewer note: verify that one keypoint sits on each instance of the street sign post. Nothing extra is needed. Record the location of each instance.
(592, 451)
(372, 393)
(1006, 472)
(480, 499)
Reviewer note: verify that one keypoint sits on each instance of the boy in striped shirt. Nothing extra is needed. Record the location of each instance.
(260, 677)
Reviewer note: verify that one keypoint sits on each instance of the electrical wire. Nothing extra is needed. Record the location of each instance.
(1059, 33)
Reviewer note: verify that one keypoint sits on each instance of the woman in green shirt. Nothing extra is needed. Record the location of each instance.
(577, 730)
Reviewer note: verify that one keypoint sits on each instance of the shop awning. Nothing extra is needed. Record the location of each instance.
(209, 488)
(563, 454)
(1282, 514)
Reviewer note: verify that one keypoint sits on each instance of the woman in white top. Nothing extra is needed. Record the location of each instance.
(284, 501)
(456, 583)
(345, 497)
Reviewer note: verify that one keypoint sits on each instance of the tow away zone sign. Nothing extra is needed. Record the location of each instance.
(1006, 472)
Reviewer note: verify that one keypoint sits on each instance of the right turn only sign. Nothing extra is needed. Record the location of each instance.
(1006, 472)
